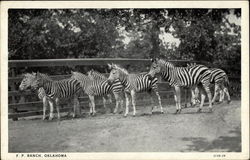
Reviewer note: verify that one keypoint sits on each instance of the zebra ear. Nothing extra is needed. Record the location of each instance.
(110, 66)
(37, 73)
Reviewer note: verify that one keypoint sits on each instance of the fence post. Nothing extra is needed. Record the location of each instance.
(14, 109)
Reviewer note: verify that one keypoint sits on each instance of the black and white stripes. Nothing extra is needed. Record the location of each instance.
(56, 90)
(134, 83)
(177, 77)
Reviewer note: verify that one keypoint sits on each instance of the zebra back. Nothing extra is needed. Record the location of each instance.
(218, 75)
(116, 86)
(96, 75)
(92, 87)
(139, 82)
(181, 76)
(65, 88)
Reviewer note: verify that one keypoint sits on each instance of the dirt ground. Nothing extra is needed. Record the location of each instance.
(186, 132)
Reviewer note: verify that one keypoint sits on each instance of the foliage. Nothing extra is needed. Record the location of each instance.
(204, 34)
(60, 34)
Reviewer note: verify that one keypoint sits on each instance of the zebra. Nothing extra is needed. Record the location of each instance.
(92, 88)
(220, 80)
(58, 90)
(26, 83)
(183, 77)
(134, 83)
(117, 89)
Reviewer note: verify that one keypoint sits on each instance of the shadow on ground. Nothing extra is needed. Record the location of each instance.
(223, 143)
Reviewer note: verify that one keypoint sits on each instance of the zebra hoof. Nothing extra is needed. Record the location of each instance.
(120, 112)
(176, 111)
(199, 110)
(179, 111)
(229, 101)
(50, 118)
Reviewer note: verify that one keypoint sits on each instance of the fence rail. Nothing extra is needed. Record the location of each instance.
(20, 108)
(81, 62)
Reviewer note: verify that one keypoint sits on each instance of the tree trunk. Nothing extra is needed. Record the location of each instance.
(155, 31)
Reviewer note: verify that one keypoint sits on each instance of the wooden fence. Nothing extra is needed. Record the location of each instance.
(18, 105)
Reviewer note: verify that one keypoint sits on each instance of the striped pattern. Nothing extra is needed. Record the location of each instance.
(218, 76)
(134, 83)
(97, 87)
(177, 77)
(117, 89)
(27, 82)
(56, 90)
(220, 80)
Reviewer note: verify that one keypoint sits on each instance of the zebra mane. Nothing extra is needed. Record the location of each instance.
(115, 66)
(96, 74)
(28, 75)
(165, 63)
(43, 76)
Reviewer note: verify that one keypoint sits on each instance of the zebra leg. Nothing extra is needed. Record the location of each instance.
(51, 114)
(57, 108)
(92, 99)
(222, 95)
(121, 108)
(109, 98)
(76, 106)
(104, 103)
(45, 103)
(117, 101)
(228, 96)
(203, 96)
(159, 101)
(216, 91)
(127, 104)
(133, 101)
(151, 100)
(178, 99)
(206, 88)
(192, 97)
(121, 105)
(90, 109)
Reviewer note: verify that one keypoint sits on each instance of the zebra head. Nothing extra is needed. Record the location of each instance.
(116, 73)
(27, 81)
(91, 74)
(39, 80)
(156, 67)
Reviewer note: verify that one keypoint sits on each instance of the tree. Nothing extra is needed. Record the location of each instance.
(56, 33)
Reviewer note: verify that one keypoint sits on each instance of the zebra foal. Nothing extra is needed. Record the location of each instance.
(183, 77)
(26, 83)
(58, 90)
(134, 83)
